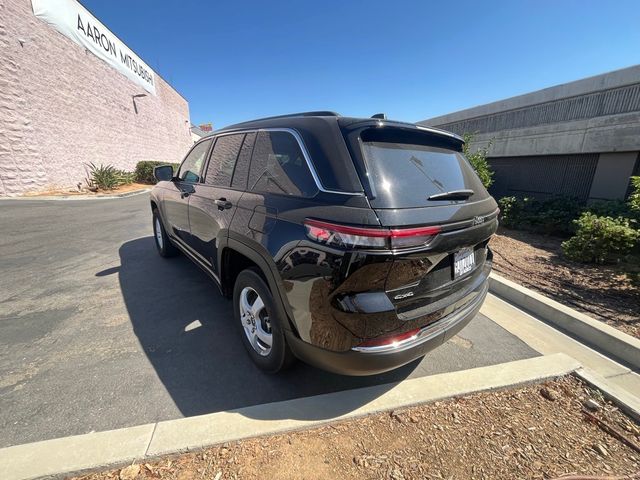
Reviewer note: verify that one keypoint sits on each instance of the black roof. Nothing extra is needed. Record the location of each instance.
(309, 118)
(332, 160)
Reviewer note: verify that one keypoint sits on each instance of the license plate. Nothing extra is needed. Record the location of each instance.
(463, 262)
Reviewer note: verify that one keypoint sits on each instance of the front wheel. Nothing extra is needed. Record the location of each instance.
(260, 327)
(163, 244)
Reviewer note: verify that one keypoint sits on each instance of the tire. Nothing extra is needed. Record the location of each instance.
(163, 243)
(248, 289)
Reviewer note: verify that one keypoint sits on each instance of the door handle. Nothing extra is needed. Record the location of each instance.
(223, 204)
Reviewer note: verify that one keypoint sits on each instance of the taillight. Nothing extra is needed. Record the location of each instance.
(368, 237)
(390, 340)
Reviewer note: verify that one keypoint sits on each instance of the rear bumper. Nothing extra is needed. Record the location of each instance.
(358, 362)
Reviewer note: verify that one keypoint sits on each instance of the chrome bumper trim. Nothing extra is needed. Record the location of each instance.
(429, 331)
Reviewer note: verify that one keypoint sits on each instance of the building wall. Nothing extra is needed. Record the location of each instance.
(61, 108)
(611, 133)
(543, 176)
(585, 87)
(601, 103)
(612, 175)
(579, 139)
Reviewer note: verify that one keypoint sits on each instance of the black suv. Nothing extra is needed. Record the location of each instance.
(356, 245)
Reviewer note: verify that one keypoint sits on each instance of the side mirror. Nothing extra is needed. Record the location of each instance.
(163, 173)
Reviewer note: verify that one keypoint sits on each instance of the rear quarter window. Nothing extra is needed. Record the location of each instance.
(223, 160)
(241, 172)
(279, 166)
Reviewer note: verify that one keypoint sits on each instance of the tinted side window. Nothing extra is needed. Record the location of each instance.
(241, 172)
(223, 160)
(192, 164)
(278, 166)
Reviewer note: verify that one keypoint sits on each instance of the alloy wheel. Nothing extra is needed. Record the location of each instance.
(158, 232)
(255, 321)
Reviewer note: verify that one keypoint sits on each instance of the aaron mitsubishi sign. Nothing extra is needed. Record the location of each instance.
(74, 21)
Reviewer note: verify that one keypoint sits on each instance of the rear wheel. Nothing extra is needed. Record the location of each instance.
(163, 243)
(260, 327)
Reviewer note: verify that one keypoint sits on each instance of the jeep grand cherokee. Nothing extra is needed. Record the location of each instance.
(357, 245)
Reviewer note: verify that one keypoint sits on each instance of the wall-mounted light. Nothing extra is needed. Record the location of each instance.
(139, 95)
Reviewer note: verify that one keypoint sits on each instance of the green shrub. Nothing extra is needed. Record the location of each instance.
(634, 198)
(126, 177)
(553, 216)
(478, 160)
(511, 209)
(601, 239)
(603, 231)
(609, 208)
(107, 177)
(144, 171)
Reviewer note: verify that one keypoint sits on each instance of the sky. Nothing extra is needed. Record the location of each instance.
(412, 60)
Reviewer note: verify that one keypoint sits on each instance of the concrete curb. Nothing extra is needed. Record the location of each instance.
(618, 395)
(79, 197)
(63, 456)
(603, 337)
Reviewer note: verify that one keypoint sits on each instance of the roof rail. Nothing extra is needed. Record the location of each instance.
(320, 113)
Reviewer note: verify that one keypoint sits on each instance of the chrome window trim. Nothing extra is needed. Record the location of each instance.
(303, 149)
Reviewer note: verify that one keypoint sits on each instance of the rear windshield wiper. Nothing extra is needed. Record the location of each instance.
(462, 194)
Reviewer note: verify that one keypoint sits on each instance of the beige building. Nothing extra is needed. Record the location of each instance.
(61, 107)
(197, 133)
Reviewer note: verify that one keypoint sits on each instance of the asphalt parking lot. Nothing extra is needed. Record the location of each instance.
(98, 332)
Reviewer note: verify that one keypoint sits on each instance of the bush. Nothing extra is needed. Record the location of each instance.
(556, 215)
(126, 177)
(553, 216)
(144, 171)
(609, 208)
(107, 177)
(478, 160)
(511, 211)
(634, 198)
(601, 239)
(605, 231)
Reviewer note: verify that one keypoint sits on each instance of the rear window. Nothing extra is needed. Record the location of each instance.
(404, 175)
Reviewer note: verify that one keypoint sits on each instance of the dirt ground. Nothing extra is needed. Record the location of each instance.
(537, 431)
(601, 291)
(66, 192)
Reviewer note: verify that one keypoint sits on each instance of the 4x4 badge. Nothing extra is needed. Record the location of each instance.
(403, 295)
